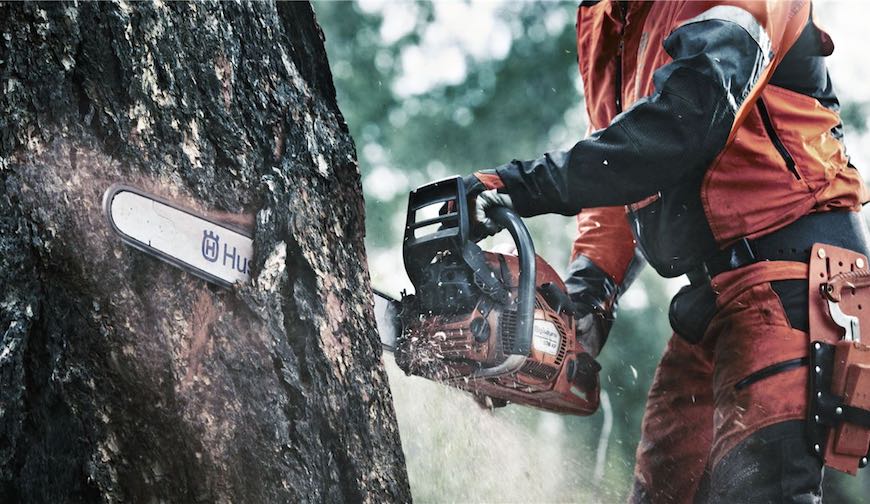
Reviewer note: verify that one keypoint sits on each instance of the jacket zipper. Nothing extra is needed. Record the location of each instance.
(774, 138)
(618, 77)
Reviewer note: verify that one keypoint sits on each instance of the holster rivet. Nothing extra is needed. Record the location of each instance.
(818, 346)
(817, 418)
(839, 410)
(817, 448)
(859, 263)
(822, 253)
(818, 369)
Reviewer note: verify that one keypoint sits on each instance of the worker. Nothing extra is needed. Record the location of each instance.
(714, 150)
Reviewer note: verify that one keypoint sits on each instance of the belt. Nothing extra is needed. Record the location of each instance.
(791, 243)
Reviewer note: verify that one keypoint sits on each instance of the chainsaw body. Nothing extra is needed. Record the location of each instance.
(496, 325)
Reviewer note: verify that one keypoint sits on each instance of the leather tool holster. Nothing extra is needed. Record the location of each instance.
(839, 402)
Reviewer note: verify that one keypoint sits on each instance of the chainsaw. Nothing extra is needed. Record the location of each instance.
(499, 326)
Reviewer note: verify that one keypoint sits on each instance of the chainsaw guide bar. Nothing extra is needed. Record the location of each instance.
(216, 252)
(387, 316)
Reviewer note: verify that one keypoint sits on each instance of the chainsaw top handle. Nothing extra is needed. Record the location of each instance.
(448, 232)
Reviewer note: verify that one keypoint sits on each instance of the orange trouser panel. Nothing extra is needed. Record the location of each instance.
(694, 414)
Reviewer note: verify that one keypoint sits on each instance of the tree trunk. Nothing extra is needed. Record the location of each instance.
(125, 379)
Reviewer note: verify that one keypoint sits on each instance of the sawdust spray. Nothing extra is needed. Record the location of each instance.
(458, 451)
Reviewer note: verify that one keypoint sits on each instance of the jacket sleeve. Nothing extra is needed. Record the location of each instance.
(603, 260)
(722, 55)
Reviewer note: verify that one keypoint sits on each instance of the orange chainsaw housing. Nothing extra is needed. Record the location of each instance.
(558, 374)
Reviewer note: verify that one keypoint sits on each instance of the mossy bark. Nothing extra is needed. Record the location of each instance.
(123, 379)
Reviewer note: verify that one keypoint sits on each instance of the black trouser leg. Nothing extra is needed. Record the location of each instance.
(771, 465)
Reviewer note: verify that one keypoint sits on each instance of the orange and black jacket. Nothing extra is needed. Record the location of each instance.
(710, 122)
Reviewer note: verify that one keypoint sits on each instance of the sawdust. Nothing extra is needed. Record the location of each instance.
(458, 451)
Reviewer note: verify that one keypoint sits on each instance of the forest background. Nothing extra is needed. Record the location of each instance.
(436, 89)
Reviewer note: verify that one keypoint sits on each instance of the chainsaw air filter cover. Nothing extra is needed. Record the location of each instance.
(497, 325)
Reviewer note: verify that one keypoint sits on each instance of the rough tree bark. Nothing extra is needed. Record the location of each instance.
(124, 379)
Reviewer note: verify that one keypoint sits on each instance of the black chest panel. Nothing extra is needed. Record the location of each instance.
(672, 232)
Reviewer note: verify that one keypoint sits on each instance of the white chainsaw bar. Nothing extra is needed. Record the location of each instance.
(216, 252)
(388, 317)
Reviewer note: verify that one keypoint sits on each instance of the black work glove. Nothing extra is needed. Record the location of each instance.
(593, 294)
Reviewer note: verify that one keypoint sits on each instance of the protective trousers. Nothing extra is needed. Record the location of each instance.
(717, 426)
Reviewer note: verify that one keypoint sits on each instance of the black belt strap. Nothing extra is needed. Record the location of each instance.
(857, 416)
(794, 242)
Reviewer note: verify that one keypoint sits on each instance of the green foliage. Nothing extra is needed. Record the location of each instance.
(854, 116)
(502, 110)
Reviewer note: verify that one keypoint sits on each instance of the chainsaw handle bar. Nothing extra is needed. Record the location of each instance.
(453, 235)
(418, 249)
(509, 219)
(833, 290)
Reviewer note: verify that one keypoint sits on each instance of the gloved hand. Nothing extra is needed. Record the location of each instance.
(593, 294)
(482, 189)
(485, 201)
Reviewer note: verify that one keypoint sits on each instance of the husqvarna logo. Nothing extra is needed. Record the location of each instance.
(210, 248)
